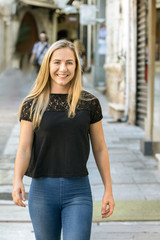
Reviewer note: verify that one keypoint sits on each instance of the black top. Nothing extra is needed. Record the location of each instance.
(61, 144)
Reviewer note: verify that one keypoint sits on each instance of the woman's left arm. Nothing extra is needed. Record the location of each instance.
(101, 156)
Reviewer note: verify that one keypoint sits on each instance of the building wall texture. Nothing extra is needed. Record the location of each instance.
(114, 66)
(121, 56)
(10, 22)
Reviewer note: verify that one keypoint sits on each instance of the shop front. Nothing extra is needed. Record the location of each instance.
(151, 144)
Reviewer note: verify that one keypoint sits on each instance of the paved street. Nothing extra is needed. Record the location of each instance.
(134, 176)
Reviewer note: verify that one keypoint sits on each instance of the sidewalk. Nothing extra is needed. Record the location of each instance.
(134, 176)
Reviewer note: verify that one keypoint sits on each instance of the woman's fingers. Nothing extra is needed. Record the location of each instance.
(107, 212)
(17, 197)
(107, 208)
(23, 194)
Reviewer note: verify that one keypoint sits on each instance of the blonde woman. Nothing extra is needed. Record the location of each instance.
(57, 119)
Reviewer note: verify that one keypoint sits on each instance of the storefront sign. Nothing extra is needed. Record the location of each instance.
(87, 14)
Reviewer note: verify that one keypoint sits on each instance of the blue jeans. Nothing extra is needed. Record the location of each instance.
(61, 203)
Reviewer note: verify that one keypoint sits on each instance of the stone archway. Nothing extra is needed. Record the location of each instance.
(27, 36)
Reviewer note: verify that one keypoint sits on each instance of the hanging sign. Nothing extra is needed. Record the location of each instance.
(87, 14)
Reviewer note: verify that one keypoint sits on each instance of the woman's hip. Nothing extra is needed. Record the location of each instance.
(61, 190)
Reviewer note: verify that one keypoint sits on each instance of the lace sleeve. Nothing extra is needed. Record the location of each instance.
(96, 111)
(25, 113)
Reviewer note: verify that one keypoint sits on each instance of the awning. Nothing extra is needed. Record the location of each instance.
(39, 3)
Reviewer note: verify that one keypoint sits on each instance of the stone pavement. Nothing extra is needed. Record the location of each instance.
(134, 176)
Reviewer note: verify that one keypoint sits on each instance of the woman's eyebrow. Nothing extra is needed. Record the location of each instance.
(56, 59)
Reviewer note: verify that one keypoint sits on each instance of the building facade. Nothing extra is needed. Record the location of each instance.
(120, 58)
(21, 21)
(132, 66)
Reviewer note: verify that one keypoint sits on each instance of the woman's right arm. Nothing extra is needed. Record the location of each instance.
(22, 161)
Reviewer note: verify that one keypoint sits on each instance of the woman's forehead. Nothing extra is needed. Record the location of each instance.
(64, 53)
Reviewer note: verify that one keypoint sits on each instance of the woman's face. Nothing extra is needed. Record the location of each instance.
(62, 67)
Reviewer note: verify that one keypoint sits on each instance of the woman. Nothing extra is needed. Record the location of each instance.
(57, 118)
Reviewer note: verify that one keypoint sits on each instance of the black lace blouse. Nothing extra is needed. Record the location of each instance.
(61, 144)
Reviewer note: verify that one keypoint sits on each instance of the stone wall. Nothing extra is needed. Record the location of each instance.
(116, 63)
(133, 53)
(5, 24)
(9, 27)
(115, 83)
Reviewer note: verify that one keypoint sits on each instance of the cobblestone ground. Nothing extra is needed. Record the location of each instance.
(134, 176)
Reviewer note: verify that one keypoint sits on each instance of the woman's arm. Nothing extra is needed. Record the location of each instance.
(22, 161)
(102, 160)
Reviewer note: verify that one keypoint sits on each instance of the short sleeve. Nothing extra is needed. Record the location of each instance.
(25, 113)
(96, 111)
(34, 50)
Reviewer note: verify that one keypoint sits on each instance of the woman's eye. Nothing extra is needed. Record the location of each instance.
(56, 62)
(70, 63)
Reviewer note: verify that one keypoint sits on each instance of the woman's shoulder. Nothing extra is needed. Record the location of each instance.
(87, 95)
(27, 103)
(88, 101)
(91, 103)
(25, 110)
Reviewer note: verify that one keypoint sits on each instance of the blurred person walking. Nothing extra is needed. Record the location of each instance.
(58, 118)
(82, 53)
(39, 50)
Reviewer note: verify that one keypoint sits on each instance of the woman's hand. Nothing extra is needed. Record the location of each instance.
(107, 204)
(18, 189)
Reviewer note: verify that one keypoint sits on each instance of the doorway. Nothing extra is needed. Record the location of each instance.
(27, 36)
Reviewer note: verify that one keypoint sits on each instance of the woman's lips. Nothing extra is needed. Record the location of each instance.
(62, 75)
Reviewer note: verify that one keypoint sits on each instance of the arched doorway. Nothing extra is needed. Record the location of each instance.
(27, 36)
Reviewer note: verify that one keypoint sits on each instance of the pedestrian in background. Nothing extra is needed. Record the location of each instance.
(57, 119)
(39, 50)
(82, 53)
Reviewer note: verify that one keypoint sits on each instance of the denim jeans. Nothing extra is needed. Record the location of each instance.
(61, 203)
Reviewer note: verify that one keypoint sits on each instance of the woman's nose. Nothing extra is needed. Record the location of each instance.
(63, 67)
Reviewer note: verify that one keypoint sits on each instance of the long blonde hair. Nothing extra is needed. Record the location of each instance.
(41, 91)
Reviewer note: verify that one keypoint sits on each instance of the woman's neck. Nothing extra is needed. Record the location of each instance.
(59, 90)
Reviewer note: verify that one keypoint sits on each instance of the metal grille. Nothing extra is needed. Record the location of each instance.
(141, 98)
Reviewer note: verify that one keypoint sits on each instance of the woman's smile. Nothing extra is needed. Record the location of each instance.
(62, 75)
